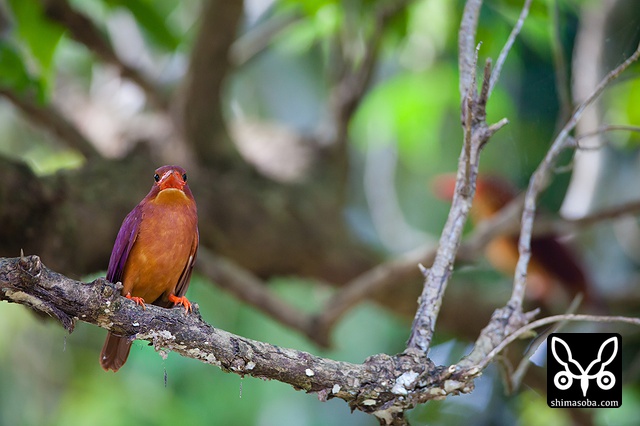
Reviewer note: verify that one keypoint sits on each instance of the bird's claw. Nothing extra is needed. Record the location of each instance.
(138, 300)
(180, 301)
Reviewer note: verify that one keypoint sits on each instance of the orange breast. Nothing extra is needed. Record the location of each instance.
(162, 248)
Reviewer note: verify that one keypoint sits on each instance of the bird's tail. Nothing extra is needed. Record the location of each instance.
(114, 352)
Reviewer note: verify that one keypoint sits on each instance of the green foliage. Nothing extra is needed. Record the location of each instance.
(14, 74)
(311, 7)
(152, 18)
(321, 26)
(626, 414)
(623, 100)
(408, 110)
(39, 35)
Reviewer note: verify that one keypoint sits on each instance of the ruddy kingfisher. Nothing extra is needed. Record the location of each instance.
(154, 253)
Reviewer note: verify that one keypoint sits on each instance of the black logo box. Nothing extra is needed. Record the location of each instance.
(584, 370)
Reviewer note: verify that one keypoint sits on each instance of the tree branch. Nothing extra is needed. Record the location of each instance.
(52, 120)
(84, 31)
(467, 45)
(377, 279)
(248, 288)
(403, 268)
(353, 80)
(599, 131)
(383, 385)
(539, 182)
(550, 320)
(252, 43)
(511, 318)
(476, 135)
(502, 57)
(204, 124)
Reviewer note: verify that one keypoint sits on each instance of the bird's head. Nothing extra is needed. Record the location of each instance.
(167, 177)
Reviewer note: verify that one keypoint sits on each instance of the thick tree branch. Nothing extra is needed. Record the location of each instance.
(383, 385)
(204, 124)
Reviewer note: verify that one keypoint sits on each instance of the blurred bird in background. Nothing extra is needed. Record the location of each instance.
(555, 273)
(154, 253)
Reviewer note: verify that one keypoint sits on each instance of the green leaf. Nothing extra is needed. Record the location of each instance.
(301, 36)
(151, 21)
(40, 35)
(311, 7)
(14, 74)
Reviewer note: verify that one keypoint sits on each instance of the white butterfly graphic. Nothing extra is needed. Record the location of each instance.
(564, 379)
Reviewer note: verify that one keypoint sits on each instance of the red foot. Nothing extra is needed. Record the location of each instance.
(138, 300)
(180, 301)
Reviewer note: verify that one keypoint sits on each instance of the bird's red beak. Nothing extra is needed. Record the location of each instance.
(171, 179)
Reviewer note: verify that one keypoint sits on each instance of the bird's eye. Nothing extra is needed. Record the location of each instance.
(184, 177)
(156, 177)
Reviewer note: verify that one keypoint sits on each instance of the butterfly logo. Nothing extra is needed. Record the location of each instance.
(564, 379)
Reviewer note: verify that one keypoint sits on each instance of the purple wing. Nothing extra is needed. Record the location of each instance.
(183, 282)
(122, 247)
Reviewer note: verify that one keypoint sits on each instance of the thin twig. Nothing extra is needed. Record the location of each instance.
(507, 46)
(550, 320)
(599, 131)
(518, 374)
(540, 178)
(402, 269)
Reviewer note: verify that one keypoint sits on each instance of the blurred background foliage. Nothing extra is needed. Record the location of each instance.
(405, 132)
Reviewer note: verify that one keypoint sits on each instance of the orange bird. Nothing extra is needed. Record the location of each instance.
(552, 266)
(154, 253)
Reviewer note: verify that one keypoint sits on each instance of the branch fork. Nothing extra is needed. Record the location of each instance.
(476, 135)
